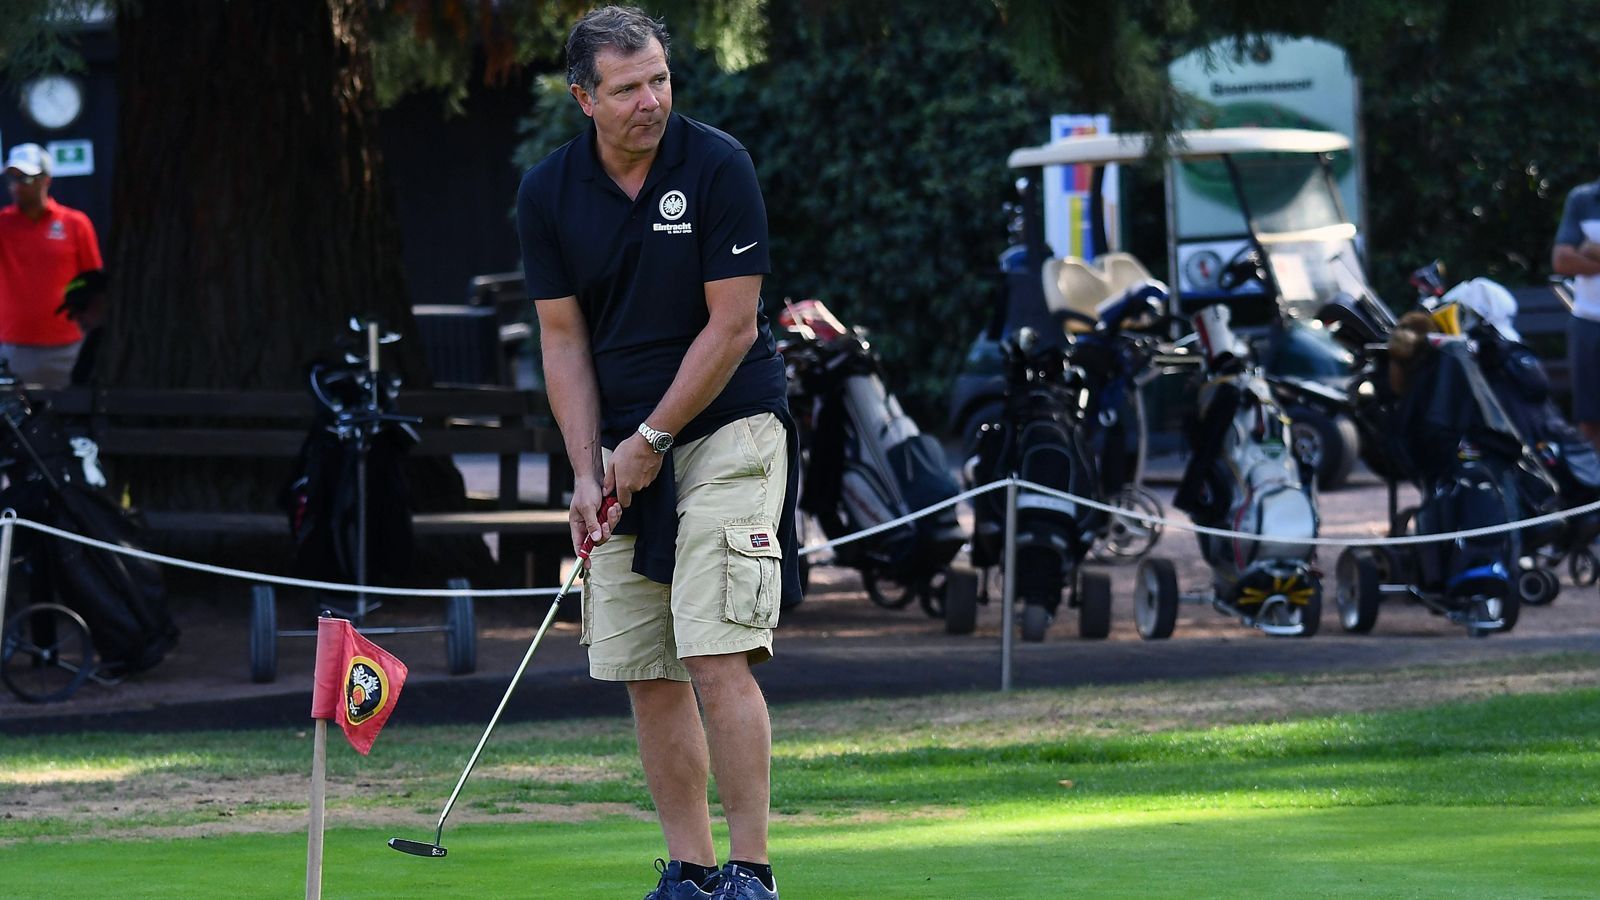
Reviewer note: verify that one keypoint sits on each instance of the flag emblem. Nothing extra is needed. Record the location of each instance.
(760, 541)
(366, 690)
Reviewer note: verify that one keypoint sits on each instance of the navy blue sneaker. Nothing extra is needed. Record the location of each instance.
(739, 883)
(673, 886)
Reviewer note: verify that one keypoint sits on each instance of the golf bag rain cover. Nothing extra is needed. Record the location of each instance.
(122, 599)
(870, 464)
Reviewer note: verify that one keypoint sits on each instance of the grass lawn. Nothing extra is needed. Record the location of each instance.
(1462, 781)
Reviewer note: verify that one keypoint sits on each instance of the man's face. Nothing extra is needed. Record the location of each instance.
(631, 102)
(27, 191)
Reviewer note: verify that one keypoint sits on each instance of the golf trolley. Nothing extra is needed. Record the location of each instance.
(1242, 476)
(331, 504)
(92, 614)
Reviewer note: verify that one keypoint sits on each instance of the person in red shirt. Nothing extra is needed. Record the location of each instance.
(43, 245)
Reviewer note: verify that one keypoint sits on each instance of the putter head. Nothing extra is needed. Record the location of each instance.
(418, 848)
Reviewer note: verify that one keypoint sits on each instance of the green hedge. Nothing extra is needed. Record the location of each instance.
(882, 158)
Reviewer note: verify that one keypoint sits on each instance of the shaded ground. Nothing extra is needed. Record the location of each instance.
(837, 644)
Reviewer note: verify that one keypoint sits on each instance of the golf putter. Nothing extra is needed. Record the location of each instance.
(434, 850)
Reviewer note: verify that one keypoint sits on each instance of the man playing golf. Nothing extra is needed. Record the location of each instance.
(644, 241)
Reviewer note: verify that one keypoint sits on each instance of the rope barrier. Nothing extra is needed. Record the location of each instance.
(9, 517)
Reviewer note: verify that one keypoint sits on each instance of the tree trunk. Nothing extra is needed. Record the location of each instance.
(251, 219)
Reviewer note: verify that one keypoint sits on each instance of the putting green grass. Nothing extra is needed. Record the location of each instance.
(972, 796)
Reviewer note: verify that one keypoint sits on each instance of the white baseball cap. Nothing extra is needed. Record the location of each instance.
(29, 159)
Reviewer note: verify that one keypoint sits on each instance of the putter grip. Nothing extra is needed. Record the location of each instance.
(605, 510)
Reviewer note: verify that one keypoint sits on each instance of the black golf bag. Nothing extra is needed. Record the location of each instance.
(1454, 440)
(1039, 439)
(120, 598)
(355, 435)
(1522, 388)
(866, 461)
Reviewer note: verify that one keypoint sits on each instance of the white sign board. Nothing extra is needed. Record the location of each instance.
(1287, 83)
(71, 158)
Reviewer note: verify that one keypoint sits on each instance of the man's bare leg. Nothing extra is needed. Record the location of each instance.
(672, 747)
(740, 735)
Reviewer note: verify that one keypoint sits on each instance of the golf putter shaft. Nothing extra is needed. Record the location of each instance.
(566, 587)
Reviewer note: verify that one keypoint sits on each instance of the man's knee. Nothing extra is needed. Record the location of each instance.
(715, 675)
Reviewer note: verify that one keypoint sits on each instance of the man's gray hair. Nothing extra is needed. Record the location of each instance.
(625, 29)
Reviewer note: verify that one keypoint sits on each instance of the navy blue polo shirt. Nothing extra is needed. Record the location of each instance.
(638, 267)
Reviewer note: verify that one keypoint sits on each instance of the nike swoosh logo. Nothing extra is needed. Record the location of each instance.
(738, 249)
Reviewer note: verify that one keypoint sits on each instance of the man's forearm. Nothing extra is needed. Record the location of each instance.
(1569, 260)
(574, 399)
(707, 367)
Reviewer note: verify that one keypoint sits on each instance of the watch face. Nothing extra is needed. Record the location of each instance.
(53, 101)
(1202, 269)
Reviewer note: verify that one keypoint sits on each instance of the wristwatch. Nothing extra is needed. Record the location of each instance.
(659, 441)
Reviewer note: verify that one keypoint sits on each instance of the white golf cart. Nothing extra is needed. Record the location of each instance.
(1279, 254)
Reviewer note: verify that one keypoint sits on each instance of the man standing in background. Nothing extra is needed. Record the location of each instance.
(43, 245)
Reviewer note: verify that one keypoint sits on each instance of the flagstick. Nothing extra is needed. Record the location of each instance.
(319, 791)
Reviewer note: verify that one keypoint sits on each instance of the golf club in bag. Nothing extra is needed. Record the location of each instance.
(434, 850)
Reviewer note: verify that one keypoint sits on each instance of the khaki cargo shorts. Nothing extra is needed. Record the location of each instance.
(726, 580)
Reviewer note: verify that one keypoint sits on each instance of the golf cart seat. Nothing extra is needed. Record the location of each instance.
(1073, 283)
(1123, 270)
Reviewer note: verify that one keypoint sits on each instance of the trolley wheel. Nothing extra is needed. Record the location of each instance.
(1311, 613)
(1538, 586)
(1094, 605)
(1125, 539)
(1155, 599)
(1035, 622)
(1584, 567)
(1328, 444)
(45, 653)
(1356, 593)
(263, 633)
(460, 631)
(1507, 609)
(886, 592)
(960, 601)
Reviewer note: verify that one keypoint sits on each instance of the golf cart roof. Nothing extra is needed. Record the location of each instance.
(1098, 149)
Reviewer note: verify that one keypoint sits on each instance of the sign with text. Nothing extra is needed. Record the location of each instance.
(71, 158)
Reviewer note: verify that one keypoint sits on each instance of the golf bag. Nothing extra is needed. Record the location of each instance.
(1040, 438)
(1454, 439)
(354, 437)
(121, 599)
(866, 461)
(1569, 461)
(1242, 476)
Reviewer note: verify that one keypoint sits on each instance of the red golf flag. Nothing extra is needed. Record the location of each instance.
(357, 682)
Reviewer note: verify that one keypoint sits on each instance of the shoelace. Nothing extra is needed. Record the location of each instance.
(661, 869)
(732, 882)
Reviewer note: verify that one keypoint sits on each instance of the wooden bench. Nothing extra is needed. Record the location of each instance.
(222, 424)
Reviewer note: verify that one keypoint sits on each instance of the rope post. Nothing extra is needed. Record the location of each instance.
(1008, 592)
(8, 520)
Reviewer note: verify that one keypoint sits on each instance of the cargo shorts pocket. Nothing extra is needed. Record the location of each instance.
(750, 576)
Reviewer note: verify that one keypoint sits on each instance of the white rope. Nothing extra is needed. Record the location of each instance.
(10, 517)
(1318, 541)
